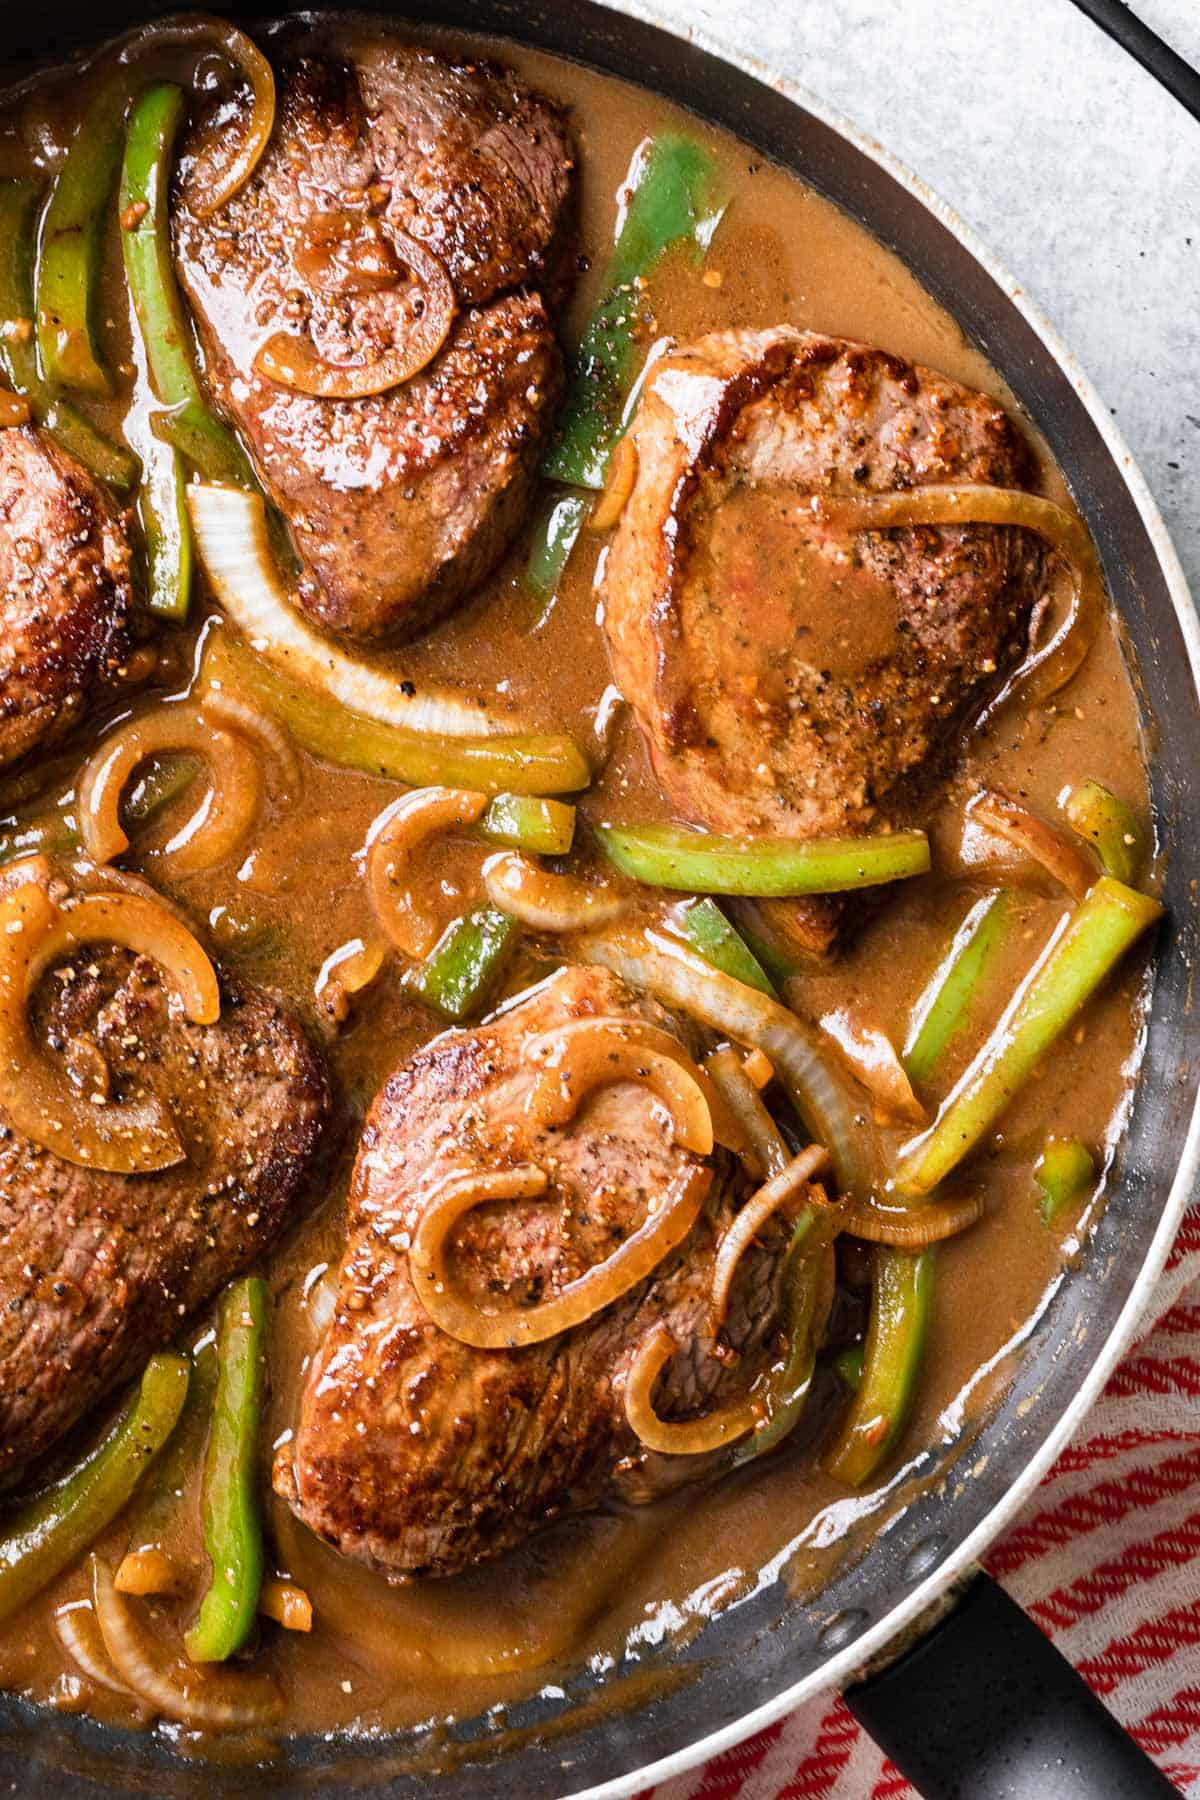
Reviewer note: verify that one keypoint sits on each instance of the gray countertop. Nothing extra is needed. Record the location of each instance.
(1074, 166)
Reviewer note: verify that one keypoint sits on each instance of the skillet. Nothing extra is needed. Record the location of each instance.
(1021, 1723)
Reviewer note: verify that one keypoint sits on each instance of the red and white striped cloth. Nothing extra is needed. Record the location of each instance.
(1106, 1558)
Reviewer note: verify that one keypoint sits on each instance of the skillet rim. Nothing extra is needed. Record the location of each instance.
(504, 20)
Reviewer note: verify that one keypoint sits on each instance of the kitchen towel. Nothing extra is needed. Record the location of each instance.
(1105, 1557)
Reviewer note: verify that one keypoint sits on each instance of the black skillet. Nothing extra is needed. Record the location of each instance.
(975, 1704)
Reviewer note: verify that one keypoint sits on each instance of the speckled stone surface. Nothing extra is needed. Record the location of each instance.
(1073, 165)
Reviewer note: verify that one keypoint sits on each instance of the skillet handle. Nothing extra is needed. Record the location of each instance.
(985, 1708)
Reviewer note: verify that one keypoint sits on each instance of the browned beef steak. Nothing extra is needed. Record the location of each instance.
(98, 1270)
(419, 1454)
(791, 679)
(403, 501)
(65, 592)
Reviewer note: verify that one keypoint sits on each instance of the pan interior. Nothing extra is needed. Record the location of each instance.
(600, 1728)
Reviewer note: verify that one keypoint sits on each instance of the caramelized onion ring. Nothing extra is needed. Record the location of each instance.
(910, 1227)
(872, 1059)
(726, 1129)
(622, 479)
(685, 1437)
(401, 826)
(514, 1326)
(1062, 857)
(210, 188)
(544, 901)
(220, 825)
(78, 1631)
(293, 362)
(659, 964)
(769, 1152)
(238, 716)
(753, 1216)
(1042, 674)
(590, 1053)
(175, 1689)
(136, 1136)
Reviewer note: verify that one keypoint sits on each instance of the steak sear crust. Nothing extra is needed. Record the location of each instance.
(99, 1270)
(420, 1455)
(401, 502)
(790, 679)
(65, 591)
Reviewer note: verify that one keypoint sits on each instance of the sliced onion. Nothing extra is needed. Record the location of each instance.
(197, 1698)
(1062, 857)
(223, 821)
(728, 1075)
(685, 1437)
(403, 825)
(507, 1329)
(725, 1128)
(590, 1053)
(622, 479)
(547, 902)
(231, 536)
(779, 1191)
(347, 970)
(873, 1060)
(294, 362)
(1043, 673)
(148, 1570)
(209, 189)
(78, 1631)
(286, 1603)
(911, 1227)
(239, 716)
(135, 1136)
(661, 965)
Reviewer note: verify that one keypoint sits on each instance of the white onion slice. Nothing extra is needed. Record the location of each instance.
(667, 969)
(231, 536)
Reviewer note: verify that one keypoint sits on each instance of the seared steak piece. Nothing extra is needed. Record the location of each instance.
(65, 593)
(400, 502)
(98, 1270)
(789, 678)
(418, 1454)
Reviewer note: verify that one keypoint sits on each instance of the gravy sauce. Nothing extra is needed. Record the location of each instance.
(591, 1590)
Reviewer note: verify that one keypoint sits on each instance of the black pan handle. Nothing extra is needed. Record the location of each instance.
(985, 1708)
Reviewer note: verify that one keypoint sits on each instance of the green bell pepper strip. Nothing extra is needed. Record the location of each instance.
(849, 1364)
(944, 1010)
(669, 202)
(801, 1285)
(1064, 1171)
(464, 966)
(189, 426)
(72, 245)
(55, 833)
(707, 930)
(1097, 815)
(50, 1531)
(50, 834)
(765, 940)
(232, 1516)
(167, 529)
(1097, 935)
(525, 822)
(109, 462)
(901, 1297)
(528, 764)
(555, 536)
(761, 868)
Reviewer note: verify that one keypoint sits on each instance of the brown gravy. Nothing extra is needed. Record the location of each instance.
(382, 1657)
